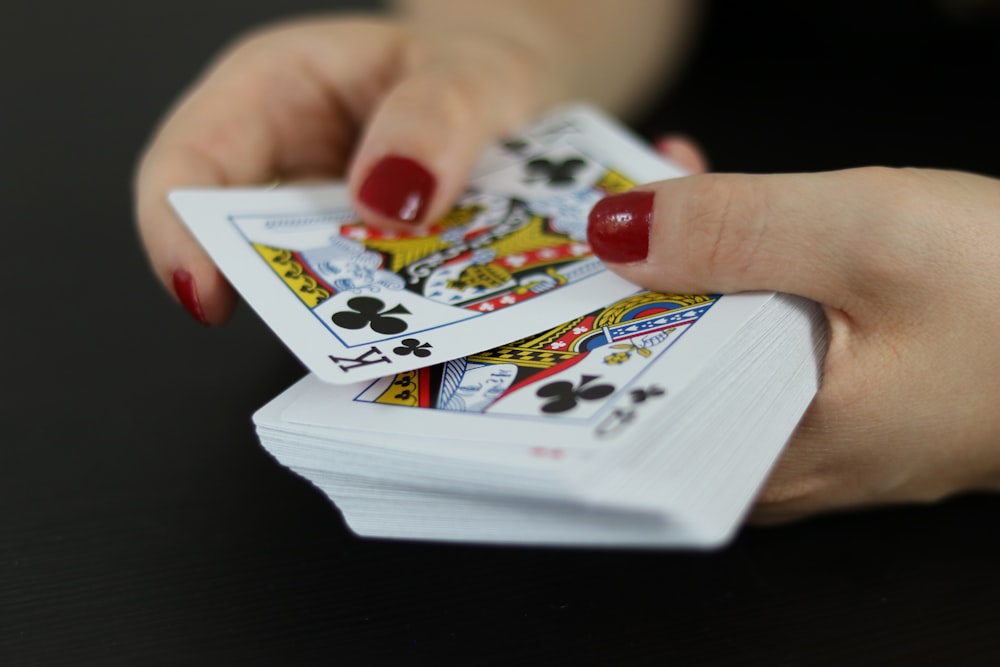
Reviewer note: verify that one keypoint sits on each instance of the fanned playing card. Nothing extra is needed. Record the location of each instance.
(582, 379)
(651, 420)
(509, 260)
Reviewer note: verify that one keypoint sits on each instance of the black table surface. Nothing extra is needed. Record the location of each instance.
(141, 523)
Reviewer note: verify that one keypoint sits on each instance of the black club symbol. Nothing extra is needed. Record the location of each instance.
(414, 347)
(367, 311)
(565, 396)
(642, 395)
(556, 173)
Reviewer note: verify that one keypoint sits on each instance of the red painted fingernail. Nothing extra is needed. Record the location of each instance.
(618, 227)
(187, 294)
(399, 188)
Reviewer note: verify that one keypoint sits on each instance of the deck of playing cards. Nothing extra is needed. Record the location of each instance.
(489, 380)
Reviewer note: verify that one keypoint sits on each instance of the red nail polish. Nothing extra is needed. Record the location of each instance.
(618, 227)
(187, 294)
(399, 188)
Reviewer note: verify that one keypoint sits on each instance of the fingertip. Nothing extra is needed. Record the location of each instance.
(397, 192)
(618, 227)
(205, 295)
(186, 272)
(684, 151)
(186, 292)
(631, 233)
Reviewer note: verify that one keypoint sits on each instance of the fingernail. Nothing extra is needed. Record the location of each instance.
(399, 188)
(187, 294)
(618, 227)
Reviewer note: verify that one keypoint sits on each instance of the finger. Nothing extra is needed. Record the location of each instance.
(253, 118)
(177, 259)
(210, 141)
(416, 154)
(808, 234)
(684, 152)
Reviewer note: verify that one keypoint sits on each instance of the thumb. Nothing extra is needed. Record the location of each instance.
(721, 233)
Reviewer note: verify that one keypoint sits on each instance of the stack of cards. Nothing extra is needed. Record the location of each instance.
(489, 380)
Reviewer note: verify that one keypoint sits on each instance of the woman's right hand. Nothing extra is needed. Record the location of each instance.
(402, 108)
(403, 114)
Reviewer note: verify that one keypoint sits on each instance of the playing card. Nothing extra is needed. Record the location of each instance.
(651, 420)
(510, 259)
(550, 398)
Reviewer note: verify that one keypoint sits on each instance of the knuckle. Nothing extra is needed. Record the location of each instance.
(725, 225)
(457, 100)
(465, 82)
(445, 104)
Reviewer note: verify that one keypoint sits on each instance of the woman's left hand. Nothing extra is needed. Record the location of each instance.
(906, 264)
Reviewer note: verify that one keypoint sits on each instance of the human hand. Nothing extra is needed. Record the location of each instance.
(906, 264)
(401, 106)
(290, 103)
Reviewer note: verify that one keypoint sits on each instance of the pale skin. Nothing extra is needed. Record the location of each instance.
(906, 263)
(329, 96)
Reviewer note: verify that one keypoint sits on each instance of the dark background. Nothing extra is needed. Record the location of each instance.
(141, 523)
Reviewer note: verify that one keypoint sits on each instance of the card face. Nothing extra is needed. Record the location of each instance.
(594, 382)
(509, 259)
(570, 371)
